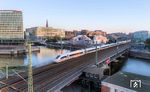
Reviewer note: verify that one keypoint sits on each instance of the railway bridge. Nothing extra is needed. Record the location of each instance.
(53, 77)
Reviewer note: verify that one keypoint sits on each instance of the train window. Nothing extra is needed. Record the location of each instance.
(57, 56)
(76, 54)
(71, 54)
(63, 57)
(91, 49)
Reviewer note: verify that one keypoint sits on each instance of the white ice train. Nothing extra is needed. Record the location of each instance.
(81, 52)
(70, 55)
(74, 54)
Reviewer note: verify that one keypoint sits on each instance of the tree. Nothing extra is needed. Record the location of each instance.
(54, 39)
(57, 38)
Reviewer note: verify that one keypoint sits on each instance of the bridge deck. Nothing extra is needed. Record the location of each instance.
(48, 77)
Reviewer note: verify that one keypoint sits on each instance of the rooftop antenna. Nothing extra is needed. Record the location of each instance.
(46, 23)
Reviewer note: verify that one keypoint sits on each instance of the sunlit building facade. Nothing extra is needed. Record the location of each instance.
(45, 32)
(11, 26)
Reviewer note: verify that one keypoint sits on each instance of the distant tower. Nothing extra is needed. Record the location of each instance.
(46, 23)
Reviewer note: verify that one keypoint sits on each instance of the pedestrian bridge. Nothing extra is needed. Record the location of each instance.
(53, 77)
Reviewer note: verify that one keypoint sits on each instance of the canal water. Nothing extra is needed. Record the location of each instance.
(137, 66)
(44, 56)
(19, 63)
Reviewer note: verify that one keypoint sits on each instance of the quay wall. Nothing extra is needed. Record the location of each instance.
(16, 50)
(140, 54)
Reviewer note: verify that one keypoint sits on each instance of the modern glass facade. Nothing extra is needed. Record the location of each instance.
(140, 36)
(11, 25)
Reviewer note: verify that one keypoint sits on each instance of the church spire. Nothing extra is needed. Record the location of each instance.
(46, 23)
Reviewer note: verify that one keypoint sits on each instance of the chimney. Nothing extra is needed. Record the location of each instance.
(46, 23)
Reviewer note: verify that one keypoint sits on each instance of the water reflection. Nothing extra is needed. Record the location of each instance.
(11, 60)
(45, 56)
(137, 66)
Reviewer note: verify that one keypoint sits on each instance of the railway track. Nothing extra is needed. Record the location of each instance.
(41, 70)
(42, 83)
(40, 76)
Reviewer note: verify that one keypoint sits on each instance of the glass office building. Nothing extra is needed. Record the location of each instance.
(11, 26)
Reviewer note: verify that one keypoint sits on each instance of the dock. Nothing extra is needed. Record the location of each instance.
(14, 50)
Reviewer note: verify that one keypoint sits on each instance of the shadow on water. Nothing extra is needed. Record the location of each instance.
(137, 66)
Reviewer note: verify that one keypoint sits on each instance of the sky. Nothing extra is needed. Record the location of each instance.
(107, 15)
